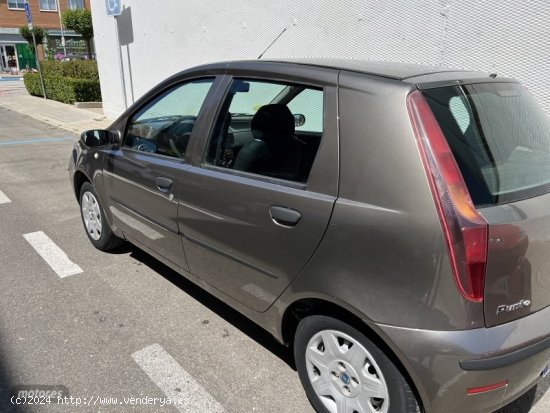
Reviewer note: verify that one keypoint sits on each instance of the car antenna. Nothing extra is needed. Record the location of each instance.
(493, 75)
(271, 44)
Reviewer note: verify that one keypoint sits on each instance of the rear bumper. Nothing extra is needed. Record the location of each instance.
(445, 364)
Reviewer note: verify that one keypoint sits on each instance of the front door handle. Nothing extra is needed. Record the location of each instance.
(164, 184)
(284, 217)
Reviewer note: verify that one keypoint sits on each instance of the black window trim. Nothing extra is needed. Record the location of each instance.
(256, 177)
(249, 175)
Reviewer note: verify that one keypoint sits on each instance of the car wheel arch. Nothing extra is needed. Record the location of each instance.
(304, 307)
(79, 179)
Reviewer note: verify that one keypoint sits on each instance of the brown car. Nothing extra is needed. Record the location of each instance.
(390, 223)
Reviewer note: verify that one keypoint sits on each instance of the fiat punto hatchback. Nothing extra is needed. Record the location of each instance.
(390, 223)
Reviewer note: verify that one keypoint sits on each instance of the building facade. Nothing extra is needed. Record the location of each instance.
(14, 50)
(157, 39)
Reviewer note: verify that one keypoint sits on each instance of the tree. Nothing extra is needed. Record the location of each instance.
(80, 21)
(26, 34)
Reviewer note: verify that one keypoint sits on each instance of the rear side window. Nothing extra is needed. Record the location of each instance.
(269, 129)
(500, 139)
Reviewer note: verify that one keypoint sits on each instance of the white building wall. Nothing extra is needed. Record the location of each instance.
(509, 37)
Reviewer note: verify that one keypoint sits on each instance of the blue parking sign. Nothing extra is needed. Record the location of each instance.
(28, 13)
(113, 7)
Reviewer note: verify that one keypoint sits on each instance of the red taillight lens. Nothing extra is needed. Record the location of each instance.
(464, 229)
(485, 389)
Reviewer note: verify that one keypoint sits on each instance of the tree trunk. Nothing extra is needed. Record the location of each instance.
(40, 51)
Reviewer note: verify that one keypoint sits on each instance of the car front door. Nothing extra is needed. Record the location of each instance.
(254, 208)
(141, 176)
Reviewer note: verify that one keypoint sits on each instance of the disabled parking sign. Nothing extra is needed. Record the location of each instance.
(28, 15)
(113, 7)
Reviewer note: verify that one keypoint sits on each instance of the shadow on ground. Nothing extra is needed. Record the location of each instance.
(223, 310)
(7, 384)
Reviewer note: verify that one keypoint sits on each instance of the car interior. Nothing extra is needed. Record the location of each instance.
(267, 142)
(264, 141)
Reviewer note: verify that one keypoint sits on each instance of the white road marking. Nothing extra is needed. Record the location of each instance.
(3, 198)
(52, 254)
(170, 377)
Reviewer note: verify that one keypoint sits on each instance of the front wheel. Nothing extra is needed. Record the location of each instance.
(342, 371)
(96, 226)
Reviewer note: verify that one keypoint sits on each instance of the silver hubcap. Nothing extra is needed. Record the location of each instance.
(344, 375)
(91, 215)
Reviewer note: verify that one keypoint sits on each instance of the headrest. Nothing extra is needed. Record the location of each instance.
(272, 121)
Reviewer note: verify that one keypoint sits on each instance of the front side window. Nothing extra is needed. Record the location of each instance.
(75, 4)
(164, 125)
(48, 5)
(16, 4)
(269, 129)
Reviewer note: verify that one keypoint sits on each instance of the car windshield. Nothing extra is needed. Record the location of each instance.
(499, 137)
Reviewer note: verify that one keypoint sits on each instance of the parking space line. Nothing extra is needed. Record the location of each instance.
(36, 140)
(186, 393)
(3, 198)
(52, 254)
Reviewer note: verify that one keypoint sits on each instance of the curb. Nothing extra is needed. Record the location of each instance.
(54, 123)
(85, 105)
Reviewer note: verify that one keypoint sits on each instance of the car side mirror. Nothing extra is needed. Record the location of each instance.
(96, 138)
(299, 119)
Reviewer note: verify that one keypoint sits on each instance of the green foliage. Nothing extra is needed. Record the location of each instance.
(50, 54)
(26, 33)
(86, 90)
(59, 88)
(32, 83)
(80, 21)
(67, 82)
(77, 69)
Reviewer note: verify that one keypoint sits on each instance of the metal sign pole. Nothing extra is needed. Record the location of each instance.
(38, 66)
(29, 22)
(62, 31)
(123, 81)
(114, 8)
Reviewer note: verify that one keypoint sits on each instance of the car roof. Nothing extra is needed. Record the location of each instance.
(408, 72)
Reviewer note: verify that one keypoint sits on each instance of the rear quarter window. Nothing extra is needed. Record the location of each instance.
(500, 139)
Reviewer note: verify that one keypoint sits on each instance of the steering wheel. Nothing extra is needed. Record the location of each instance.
(178, 133)
(185, 137)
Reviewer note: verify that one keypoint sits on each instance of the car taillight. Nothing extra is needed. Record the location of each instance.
(464, 229)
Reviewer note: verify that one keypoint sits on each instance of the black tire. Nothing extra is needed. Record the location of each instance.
(400, 396)
(107, 240)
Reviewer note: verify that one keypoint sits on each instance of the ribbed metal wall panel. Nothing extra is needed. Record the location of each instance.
(509, 37)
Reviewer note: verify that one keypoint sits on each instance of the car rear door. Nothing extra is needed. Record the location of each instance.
(247, 233)
(141, 175)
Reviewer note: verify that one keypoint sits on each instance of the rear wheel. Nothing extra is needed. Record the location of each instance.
(342, 371)
(96, 226)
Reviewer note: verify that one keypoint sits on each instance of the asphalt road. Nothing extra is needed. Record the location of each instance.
(124, 326)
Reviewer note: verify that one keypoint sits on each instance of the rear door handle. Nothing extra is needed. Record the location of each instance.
(164, 184)
(284, 217)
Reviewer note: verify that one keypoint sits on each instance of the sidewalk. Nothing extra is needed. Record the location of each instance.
(51, 112)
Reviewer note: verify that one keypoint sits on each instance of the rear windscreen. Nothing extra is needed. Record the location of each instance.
(499, 137)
